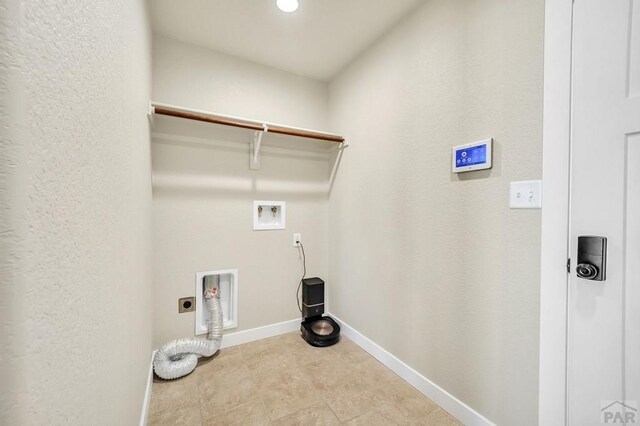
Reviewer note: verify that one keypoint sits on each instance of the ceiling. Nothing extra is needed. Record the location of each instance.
(317, 40)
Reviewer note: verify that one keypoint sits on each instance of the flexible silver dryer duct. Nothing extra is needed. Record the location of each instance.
(180, 357)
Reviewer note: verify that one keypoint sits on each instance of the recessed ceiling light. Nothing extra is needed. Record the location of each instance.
(287, 5)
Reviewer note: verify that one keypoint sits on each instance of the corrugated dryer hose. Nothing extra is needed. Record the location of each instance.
(180, 357)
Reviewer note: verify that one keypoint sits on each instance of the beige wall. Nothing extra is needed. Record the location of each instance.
(75, 212)
(203, 189)
(434, 266)
(187, 75)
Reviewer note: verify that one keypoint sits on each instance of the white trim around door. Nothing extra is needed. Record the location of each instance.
(555, 214)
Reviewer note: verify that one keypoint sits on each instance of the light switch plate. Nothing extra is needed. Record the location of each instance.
(525, 194)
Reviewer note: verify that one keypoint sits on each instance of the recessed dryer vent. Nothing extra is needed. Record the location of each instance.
(268, 215)
(227, 280)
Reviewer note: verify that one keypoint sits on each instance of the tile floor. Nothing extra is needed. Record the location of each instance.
(284, 381)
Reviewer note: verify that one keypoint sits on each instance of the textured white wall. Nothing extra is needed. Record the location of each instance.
(430, 265)
(203, 192)
(75, 215)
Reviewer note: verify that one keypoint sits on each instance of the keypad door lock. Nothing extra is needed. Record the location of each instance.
(592, 258)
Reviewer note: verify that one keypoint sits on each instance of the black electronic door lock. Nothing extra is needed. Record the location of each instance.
(592, 258)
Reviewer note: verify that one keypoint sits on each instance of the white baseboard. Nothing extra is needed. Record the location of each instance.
(444, 399)
(147, 393)
(246, 336)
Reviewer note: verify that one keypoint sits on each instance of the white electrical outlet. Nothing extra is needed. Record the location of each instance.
(296, 238)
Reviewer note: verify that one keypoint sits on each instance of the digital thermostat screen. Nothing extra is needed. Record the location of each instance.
(471, 156)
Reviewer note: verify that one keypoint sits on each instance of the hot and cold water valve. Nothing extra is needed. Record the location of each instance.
(268, 215)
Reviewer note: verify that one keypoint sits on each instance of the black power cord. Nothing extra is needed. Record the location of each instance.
(304, 274)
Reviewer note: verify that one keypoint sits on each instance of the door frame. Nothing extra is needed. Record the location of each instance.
(556, 156)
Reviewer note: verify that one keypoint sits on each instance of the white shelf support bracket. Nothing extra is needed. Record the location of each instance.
(150, 113)
(254, 155)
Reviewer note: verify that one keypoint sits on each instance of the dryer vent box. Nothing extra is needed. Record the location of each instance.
(227, 281)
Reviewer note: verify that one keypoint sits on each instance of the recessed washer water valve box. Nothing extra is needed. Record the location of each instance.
(268, 215)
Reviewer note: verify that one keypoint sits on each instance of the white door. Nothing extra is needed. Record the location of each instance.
(603, 352)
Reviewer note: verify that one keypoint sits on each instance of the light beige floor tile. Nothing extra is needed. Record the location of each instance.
(174, 414)
(348, 403)
(223, 366)
(231, 350)
(225, 381)
(349, 351)
(249, 414)
(274, 353)
(409, 408)
(286, 399)
(229, 391)
(280, 373)
(258, 349)
(173, 392)
(330, 374)
(370, 373)
(401, 403)
(270, 345)
(306, 352)
(294, 339)
(318, 415)
(344, 388)
(223, 355)
(285, 390)
(441, 418)
(285, 381)
(371, 418)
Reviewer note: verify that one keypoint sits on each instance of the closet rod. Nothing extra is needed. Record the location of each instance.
(173, 112)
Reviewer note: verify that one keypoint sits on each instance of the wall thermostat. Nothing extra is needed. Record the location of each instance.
(472, 156)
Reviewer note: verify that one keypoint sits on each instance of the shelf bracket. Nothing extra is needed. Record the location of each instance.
(150, 113)
(254, 155)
